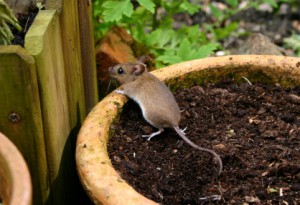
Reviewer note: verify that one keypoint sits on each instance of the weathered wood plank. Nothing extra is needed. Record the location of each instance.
(56, 48)
(54, 5)
(88, 53)
(20, 114)
(73, 62)
(72, 49)
(81, 92)
(43, 42)
(75, 86)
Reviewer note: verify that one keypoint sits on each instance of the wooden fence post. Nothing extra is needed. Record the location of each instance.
(20, 114)
(88, 53)
(63, 91)
(43, 41)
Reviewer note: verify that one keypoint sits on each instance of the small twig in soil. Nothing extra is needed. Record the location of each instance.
(212, 197)
(25, 28)
(246, 79)
(280, 192)
(221, 193)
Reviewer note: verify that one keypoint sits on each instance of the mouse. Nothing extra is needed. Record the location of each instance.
(158, 105)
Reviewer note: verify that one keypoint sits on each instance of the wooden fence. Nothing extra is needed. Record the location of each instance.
(47, 89)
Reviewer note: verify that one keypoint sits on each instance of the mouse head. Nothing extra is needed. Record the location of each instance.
(127, 72)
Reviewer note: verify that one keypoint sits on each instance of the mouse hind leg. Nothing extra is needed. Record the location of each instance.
(153, 134)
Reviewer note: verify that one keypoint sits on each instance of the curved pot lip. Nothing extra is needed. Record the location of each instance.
(101, 181)
(17, 172)
(280, 63)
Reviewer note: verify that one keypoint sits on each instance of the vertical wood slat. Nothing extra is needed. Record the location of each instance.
(88, 53)
(73, 62)
(20, 114)
(43, 42)
(70, 33)
(81, 94)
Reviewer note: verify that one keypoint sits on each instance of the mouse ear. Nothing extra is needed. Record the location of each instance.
(143, 59)
(138, 69)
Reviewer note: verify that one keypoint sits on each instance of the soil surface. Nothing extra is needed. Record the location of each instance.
(254, 128)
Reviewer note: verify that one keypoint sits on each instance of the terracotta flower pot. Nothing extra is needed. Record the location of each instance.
(15, 181)
(101, 181)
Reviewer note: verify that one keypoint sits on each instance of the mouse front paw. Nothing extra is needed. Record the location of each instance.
(120, 91)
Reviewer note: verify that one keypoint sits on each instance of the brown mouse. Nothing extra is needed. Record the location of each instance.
(156, 101)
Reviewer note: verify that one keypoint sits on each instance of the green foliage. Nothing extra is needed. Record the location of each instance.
(186, 52)
(232, 3)
(273, 3)
(190, 8)
(153, 28)
(7, 17)
(148, 4)
(114, 10)
(294, 43)
(155, 31)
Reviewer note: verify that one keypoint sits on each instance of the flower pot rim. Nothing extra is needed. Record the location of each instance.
(16, 173)
(101, 181)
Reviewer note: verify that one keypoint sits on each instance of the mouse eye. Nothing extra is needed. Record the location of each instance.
(120, 71)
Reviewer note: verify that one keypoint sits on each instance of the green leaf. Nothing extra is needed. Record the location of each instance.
(190, 8)
(170, 51)
(177, 38)
(148, 4)
(113, 10)
(272, 3)
(160, 37)
(169, 59)
(293, 42)
(271, 190)
(216, 12)
(193, 33)
(153, 38)
(166, 36)
(138, 32)
(96, 11)
(233, 3)
(184, 49)
(222, 33)
(205, 51)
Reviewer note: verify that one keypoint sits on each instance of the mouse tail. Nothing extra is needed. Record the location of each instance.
(187, 140)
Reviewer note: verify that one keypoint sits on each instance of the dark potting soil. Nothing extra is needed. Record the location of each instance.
(254, 128)
(25, 21)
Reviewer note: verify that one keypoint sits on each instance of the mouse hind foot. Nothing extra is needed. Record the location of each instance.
(183, 130)
(153, 134)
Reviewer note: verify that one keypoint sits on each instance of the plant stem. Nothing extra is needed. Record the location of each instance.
(155, 22)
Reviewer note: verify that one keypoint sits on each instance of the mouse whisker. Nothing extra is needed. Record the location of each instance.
(108, 87)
